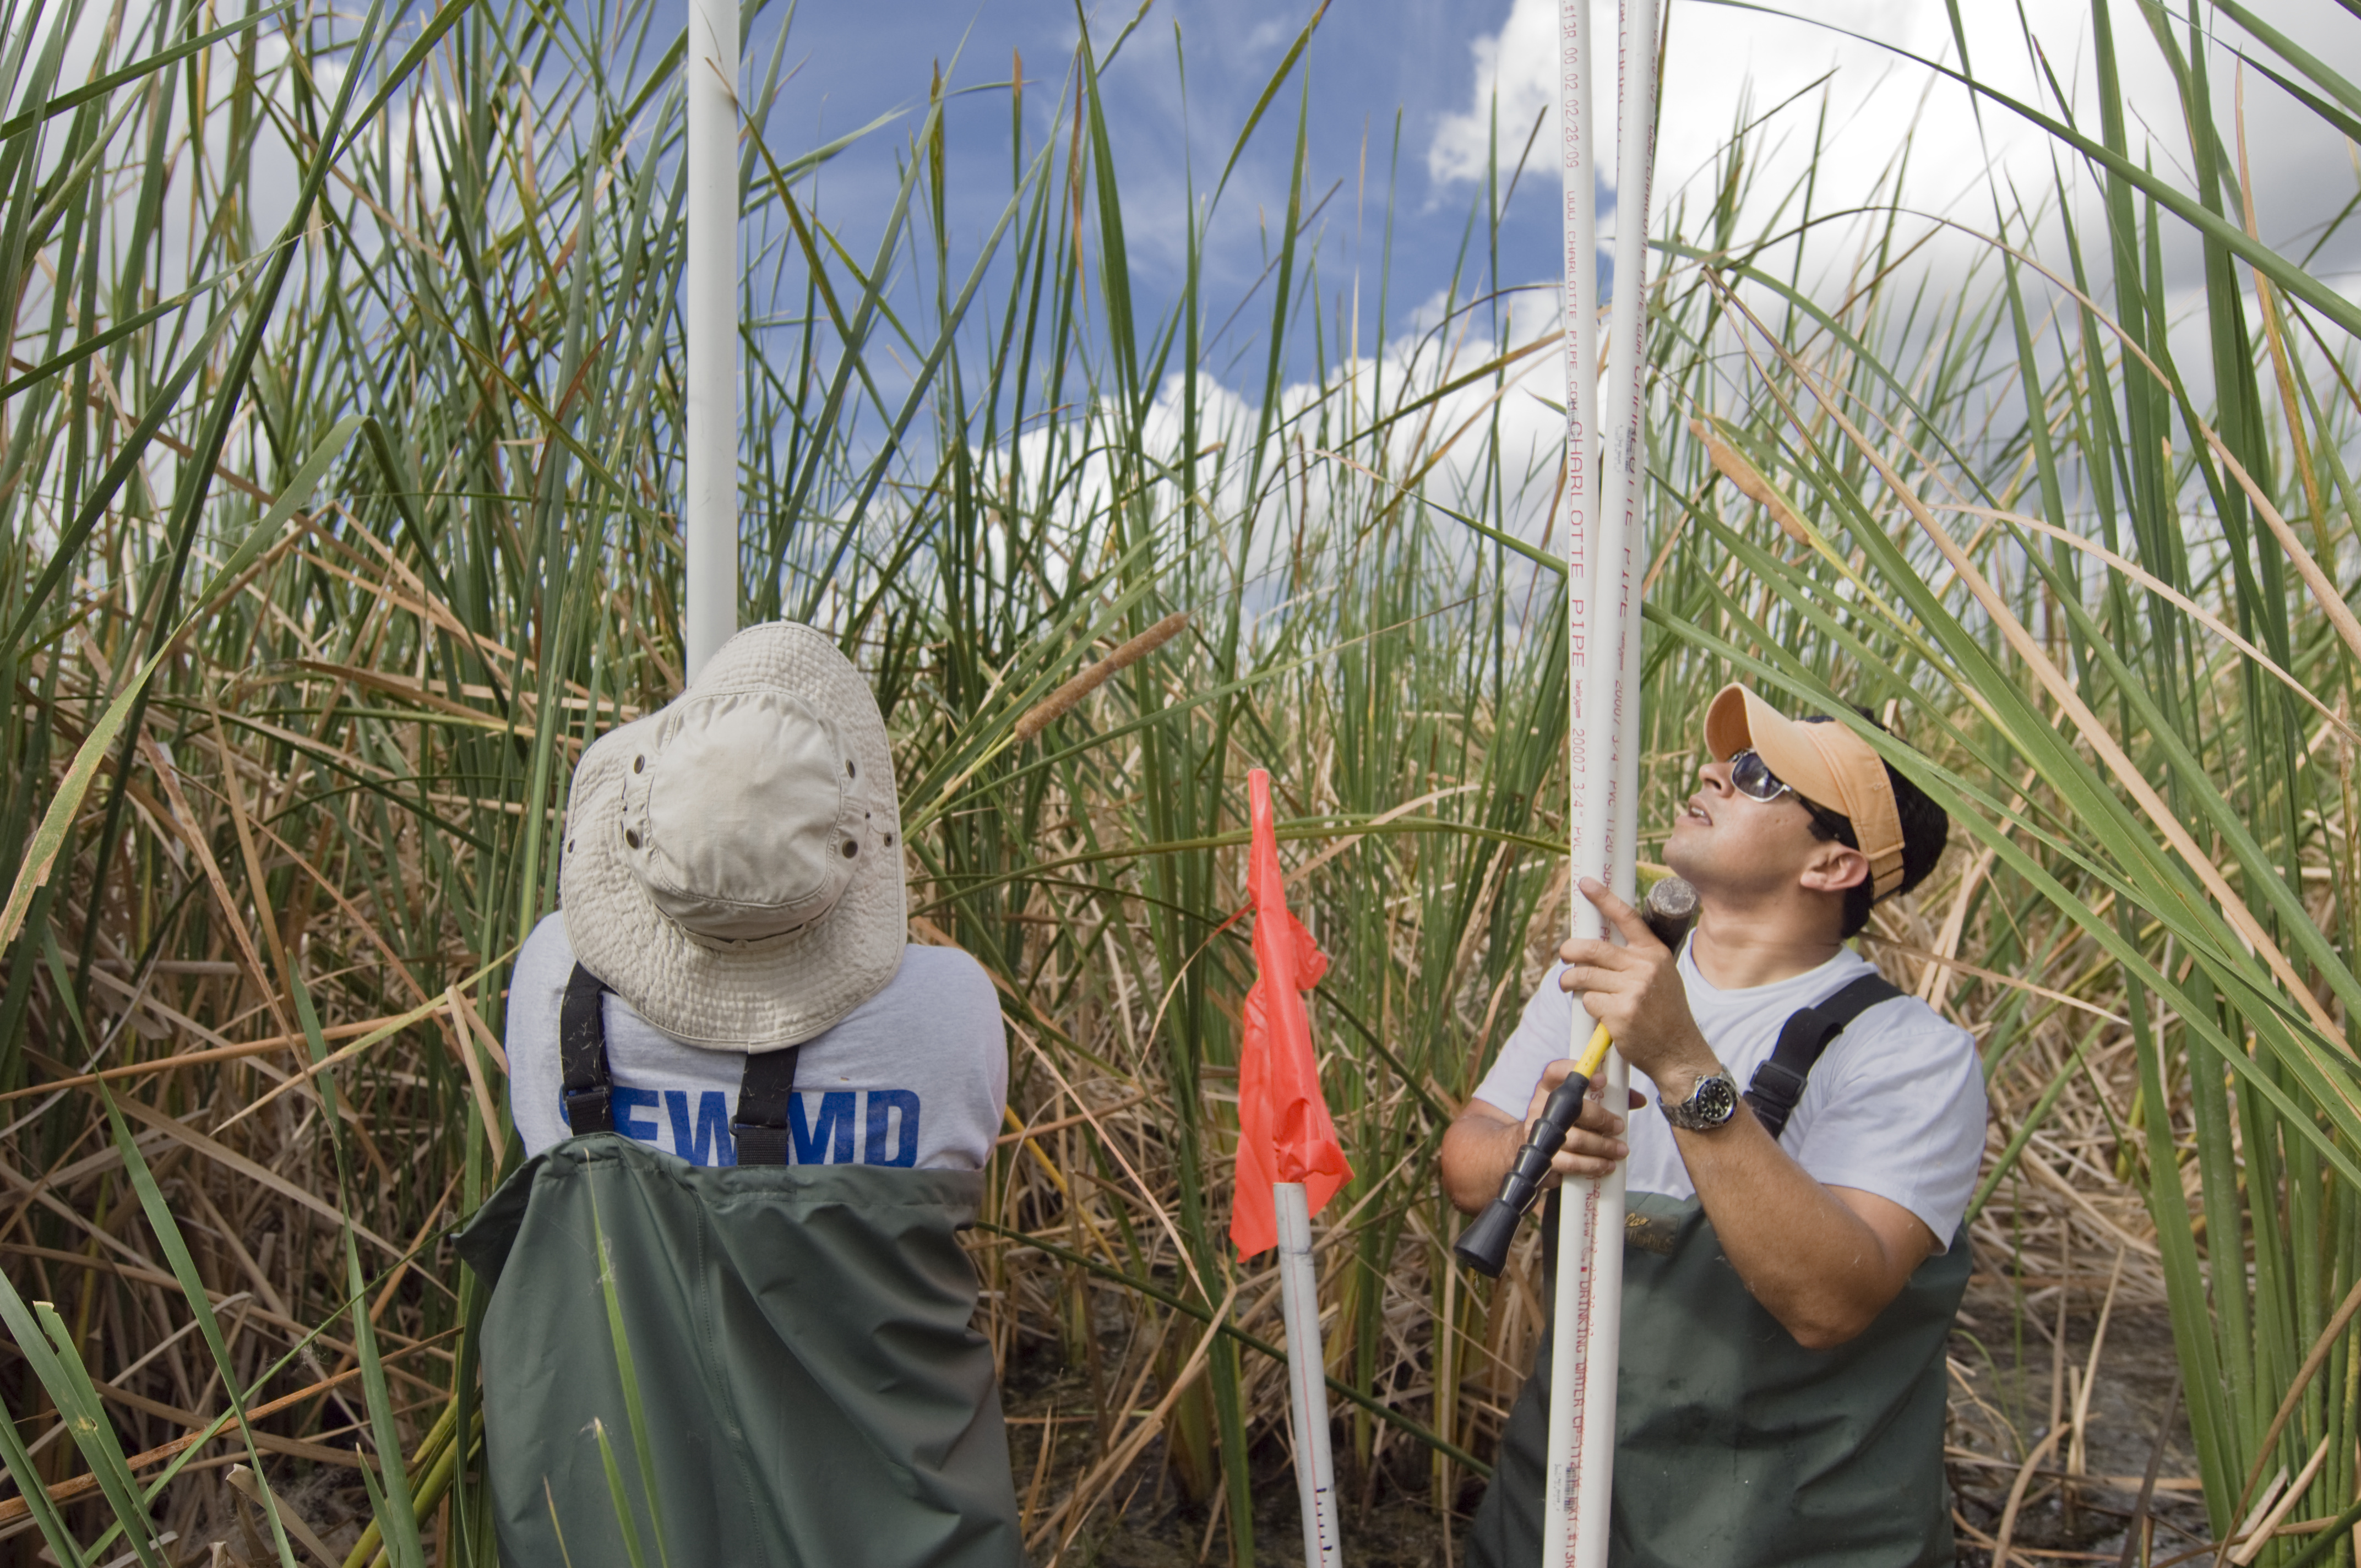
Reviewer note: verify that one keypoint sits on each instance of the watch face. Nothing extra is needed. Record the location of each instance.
(1712, 1101)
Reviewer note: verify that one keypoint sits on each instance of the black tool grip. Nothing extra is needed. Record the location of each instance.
(1484, 1244)
(1670, 908)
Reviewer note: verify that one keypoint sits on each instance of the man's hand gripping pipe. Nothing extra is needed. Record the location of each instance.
(1670, 909)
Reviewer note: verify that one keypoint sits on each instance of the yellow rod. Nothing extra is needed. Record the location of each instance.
(1593, 1054)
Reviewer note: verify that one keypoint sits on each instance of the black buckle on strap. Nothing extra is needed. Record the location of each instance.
(591, 1109)
(1773, 1095)
(582, 1054)
(758, 1144)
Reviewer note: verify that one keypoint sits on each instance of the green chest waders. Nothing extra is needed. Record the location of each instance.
(809, 1391)
(1735, 1447)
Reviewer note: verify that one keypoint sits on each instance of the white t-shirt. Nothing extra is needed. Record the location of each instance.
(914, 1076)
(1895, 1105)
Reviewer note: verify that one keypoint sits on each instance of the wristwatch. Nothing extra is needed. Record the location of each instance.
(1712, 1100)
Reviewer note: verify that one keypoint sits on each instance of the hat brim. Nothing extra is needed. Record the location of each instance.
(751, 996)
(1827, 764)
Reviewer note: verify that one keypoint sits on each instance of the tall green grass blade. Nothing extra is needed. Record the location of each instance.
(22, 1471)
(643, 1439)
(41, 1337)
(624, 1513)
(389, 1495)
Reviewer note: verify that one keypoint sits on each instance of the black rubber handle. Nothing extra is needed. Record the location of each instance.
(1484, 1244)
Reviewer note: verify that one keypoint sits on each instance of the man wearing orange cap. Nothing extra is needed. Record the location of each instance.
(1794, 1252)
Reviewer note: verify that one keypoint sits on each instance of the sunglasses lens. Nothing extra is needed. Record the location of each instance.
(1752, 777)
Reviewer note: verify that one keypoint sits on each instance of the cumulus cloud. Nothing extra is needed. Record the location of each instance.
(1853, 106)
(1716, 61)
(1313, 488)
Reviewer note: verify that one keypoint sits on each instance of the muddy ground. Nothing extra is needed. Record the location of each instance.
(2003, 1376)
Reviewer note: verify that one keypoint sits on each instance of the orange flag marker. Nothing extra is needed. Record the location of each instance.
(1284, 1131)
(1288, 1163)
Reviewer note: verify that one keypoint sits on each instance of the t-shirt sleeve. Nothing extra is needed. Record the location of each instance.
(992, 1048)
(962, 1015)
(536, 993)
(1539, 1039)
(1902, 1116)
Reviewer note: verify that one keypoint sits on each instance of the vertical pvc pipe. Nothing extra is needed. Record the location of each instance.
(1307, 1378)
(709, 517)
(1574, 1521)
(1625, 410)
(1615, 673)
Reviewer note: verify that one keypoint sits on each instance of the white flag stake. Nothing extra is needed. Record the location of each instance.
(1307, 1377)
(709, 518)
(1603, 698)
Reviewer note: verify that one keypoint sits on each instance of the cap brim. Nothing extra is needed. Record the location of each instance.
(1740, 721)
(751, 996)
(1827, 764)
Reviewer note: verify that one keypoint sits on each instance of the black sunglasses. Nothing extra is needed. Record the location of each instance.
(1751, 777)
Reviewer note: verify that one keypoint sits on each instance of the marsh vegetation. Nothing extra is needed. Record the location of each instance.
(336, 524)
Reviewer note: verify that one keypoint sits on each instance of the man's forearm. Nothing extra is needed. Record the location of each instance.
(1802, 1251)
(1477, 1150)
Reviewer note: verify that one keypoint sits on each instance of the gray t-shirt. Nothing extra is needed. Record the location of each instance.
(1895, 1106)
(914, 1076)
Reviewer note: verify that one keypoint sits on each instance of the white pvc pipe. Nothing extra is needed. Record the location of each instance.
(1623, 483)
(709, 517)
(1625, 412)
(1307, 1378)
(1589, 1307)
(1575, 1512)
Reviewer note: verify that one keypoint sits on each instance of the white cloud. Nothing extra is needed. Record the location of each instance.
(1717, 59)
(1306, 497)
(1858, 108)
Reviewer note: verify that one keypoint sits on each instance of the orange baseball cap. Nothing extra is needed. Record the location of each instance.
(1826, 763)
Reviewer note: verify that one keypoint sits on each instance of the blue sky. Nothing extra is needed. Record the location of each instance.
(1432, 69)
(1369, 61)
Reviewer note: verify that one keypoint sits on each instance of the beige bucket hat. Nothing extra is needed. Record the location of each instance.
(1825, 762)
(733, 865)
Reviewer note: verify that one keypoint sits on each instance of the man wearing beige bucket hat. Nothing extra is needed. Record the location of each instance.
(733, 875)
(757, 1118)
(1797, 1185)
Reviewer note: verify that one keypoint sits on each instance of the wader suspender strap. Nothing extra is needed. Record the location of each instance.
(1779, 1081)
(582, 1054)
(765, 1092)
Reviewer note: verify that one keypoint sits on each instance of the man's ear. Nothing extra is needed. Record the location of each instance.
(1833, 868)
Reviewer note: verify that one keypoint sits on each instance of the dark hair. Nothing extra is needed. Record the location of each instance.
(1926, 828)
